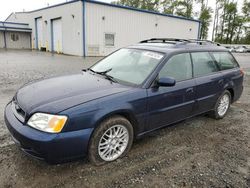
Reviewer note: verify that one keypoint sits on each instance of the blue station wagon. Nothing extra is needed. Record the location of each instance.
(99, 112)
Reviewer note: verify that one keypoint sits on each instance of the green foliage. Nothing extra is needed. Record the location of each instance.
(184, 8)
(152, 5)
(246, 20)
(232, 25)
(169, 6)
(205, 18)
(246, 10)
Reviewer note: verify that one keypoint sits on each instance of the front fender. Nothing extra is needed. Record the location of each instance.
(131, 105)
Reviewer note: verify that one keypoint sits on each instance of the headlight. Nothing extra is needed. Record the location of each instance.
(47, 123)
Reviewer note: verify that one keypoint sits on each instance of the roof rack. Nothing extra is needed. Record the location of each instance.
(164, 40)
(204, 42)
(180, 41)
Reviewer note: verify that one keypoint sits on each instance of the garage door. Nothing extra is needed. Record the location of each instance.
(39, 33)
(57, 35)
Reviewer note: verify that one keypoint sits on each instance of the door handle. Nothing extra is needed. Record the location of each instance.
(190, 90)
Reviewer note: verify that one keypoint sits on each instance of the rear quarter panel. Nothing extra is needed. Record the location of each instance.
(233, 79)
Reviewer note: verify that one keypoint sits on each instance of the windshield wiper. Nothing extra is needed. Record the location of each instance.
(104, 73)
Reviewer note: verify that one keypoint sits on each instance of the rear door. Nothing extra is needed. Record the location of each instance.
(209, 81)
(167, 105)
(233, 77)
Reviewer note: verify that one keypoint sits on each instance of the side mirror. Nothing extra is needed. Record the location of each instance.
(166, 82)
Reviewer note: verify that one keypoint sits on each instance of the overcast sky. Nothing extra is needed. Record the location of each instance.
(9, 6)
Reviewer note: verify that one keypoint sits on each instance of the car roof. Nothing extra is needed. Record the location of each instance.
(178, 45)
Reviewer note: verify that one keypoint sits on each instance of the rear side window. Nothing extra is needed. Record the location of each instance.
(225, 60)
(203, 64)
(178, 67)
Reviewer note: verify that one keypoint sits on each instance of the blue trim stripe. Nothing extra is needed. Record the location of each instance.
(17, 28)
(36, 32)
(141, 10)
(14, 23)
(118, 6)
(84, 28)
(52, 35)
(199, 31)
(4, 38)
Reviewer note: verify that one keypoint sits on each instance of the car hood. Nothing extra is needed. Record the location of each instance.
(56, 94)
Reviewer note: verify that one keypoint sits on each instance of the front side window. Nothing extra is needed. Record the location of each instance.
(132, 66)
(203, 64)
(225, 60)
(178, 67)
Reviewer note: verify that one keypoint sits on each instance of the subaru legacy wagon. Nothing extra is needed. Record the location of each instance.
(99, 112)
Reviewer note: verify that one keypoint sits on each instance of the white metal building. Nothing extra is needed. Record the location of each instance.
(91, 28)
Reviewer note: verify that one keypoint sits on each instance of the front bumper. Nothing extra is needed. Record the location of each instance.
(45, 146)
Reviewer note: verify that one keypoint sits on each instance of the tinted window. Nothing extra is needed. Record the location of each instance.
(203, 64)
(225, 60)
(178, 67)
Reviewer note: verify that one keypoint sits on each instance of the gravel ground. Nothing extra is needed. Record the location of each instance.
(199, 152)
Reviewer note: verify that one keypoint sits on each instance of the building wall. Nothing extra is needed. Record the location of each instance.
(23, 41)
(130, 27)
(71, 15)
(19, 17)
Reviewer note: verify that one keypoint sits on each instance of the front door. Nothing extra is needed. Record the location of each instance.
(167, 105)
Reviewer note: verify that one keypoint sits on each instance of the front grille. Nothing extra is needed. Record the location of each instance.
(18, 111)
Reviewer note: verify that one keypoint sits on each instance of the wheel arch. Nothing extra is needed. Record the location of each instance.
(124, 113)
(231, 91)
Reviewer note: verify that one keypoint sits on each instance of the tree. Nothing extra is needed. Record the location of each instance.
(205, 18)
(216, 19)
(239, 20)
(246, 9)
(169, 6)
(246, 21)
(184, 8)
(230, 21)
(223, 17)
(152, 5)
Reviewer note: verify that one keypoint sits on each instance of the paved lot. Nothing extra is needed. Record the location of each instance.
(199, 152)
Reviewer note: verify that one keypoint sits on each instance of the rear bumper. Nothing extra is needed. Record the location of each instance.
(45, 146)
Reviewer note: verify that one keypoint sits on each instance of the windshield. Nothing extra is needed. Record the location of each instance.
(129, 65)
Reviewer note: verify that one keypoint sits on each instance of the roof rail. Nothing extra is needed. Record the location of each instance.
(164, 40)
(202, 42)
(177, 41)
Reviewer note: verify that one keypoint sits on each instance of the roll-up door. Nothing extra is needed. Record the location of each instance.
(57, 35)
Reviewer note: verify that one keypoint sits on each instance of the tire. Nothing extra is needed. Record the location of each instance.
(219, 111)
(105, 140)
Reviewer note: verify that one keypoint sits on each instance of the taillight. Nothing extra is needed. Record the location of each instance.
(242, 72)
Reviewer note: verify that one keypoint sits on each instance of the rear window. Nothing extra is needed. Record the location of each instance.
(203, 64)
(225, 60)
